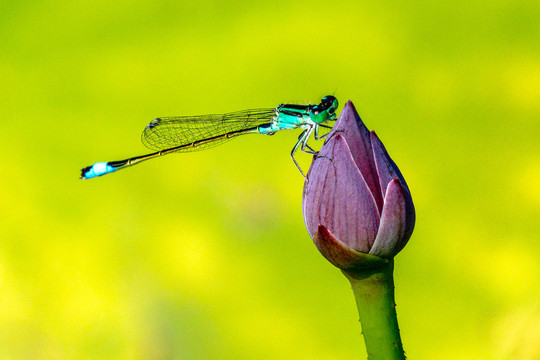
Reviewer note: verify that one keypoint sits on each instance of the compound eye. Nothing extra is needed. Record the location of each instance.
(318, 114)
(317, 109)
(327, 101)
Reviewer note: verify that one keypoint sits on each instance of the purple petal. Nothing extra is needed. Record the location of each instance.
(351, 127)
(386, 167)
(340, 255)
(397, 221)
(338, 197)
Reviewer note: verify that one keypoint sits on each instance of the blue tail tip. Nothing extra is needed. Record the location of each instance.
(84, 171)
(98, 169)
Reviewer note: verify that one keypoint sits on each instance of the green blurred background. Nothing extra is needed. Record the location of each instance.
(205, 255)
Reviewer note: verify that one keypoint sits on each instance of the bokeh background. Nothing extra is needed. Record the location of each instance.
(205, 255)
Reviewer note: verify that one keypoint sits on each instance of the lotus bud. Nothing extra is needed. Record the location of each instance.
(357, 206)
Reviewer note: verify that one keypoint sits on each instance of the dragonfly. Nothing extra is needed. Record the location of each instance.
(180, 134)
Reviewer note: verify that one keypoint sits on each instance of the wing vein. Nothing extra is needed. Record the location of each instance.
(167, 132)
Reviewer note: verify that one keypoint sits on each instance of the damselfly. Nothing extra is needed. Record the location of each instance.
(191, 133)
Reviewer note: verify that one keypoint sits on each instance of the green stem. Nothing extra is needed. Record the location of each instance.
(374, 293)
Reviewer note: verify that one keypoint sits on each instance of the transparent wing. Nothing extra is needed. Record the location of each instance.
(168, 132)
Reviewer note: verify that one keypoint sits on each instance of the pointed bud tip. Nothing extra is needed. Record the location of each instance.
(349, 106)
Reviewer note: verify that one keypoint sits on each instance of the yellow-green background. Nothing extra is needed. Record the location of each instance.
(205, 255)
